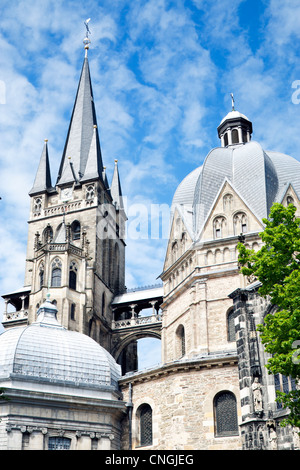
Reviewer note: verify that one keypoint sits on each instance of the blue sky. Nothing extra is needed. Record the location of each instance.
(162, 74)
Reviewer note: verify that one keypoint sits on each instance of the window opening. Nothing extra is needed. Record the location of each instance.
(146, 425)
(56, 273)
(226, 423)
(59, 443)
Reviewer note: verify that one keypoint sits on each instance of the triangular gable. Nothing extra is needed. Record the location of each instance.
(226, 184)
(289, 188)
(178, 228)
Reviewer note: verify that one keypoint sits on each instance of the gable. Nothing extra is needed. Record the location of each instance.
(179, 240)
(229, 216)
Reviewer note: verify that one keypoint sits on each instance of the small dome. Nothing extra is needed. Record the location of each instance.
(234, 115)
(47, 352)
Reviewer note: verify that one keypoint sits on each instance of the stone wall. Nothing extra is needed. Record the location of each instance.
(181, 397)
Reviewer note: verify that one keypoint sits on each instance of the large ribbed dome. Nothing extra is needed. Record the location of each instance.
(260, 178)
(47, 352)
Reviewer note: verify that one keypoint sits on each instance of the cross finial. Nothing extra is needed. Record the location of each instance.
(87, 40)
(232, 101)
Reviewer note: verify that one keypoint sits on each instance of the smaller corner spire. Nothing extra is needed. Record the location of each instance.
(42, 182)
(115, 190)
(87, 40)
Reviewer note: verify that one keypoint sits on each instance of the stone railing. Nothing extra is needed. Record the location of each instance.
(62, 208)
(61, 247)
(12, 316)
(136, 322)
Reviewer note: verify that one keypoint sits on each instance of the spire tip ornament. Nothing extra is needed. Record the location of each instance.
(232, 101)
(87, 40)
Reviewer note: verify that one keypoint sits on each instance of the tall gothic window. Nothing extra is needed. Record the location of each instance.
(283, 384)
(145, 415)
(56, 273)
(73, 275)
(48, 234)
(225, 409)
(230, 326)
(42, 274)
(72, 311)
(75, 228)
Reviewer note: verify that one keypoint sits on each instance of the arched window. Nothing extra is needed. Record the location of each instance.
(225, 139)
(219, 224)
(59, 443)
(90, 192)
(72, 311)
(73, 275)
(174, 251)
(42, 274)
(230, 325)
(145, 418)
(37, 205)
(48, 234)
(240, 223)
(56, 273)
(225, 411)
(235, 136)
(227, 202)
(180, 340)
(289, 200)
(75, 229)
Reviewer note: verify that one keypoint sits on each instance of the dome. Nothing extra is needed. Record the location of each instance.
(49, 353)
(234, 115)
(260, 178)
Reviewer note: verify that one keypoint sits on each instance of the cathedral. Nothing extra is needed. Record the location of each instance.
(68, 354)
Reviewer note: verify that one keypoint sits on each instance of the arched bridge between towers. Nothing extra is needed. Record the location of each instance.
(136, 315)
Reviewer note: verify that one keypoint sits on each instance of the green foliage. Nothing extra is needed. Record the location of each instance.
(277, 266)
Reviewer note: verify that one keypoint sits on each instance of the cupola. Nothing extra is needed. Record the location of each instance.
(235, 128)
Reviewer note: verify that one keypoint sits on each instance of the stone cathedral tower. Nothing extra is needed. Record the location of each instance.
(75, 244)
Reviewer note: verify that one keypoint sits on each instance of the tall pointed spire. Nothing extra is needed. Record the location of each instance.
(42, 180)
(115, 190)
(81, 131)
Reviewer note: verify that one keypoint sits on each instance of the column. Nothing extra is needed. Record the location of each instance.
(229, 136)
(36, 441)
(105, 442)
(14, 439)
(240, 135)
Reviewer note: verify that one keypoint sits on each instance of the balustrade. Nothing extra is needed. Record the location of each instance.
(136, 321)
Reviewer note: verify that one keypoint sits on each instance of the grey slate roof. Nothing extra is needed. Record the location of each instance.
(46, 352)
(260, 177)
(81, 134)
(42, 180)
(115, 189)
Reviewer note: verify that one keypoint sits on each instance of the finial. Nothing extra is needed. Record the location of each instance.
(116, 161)
(232, 101)
(46, 140)
(87, 40)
